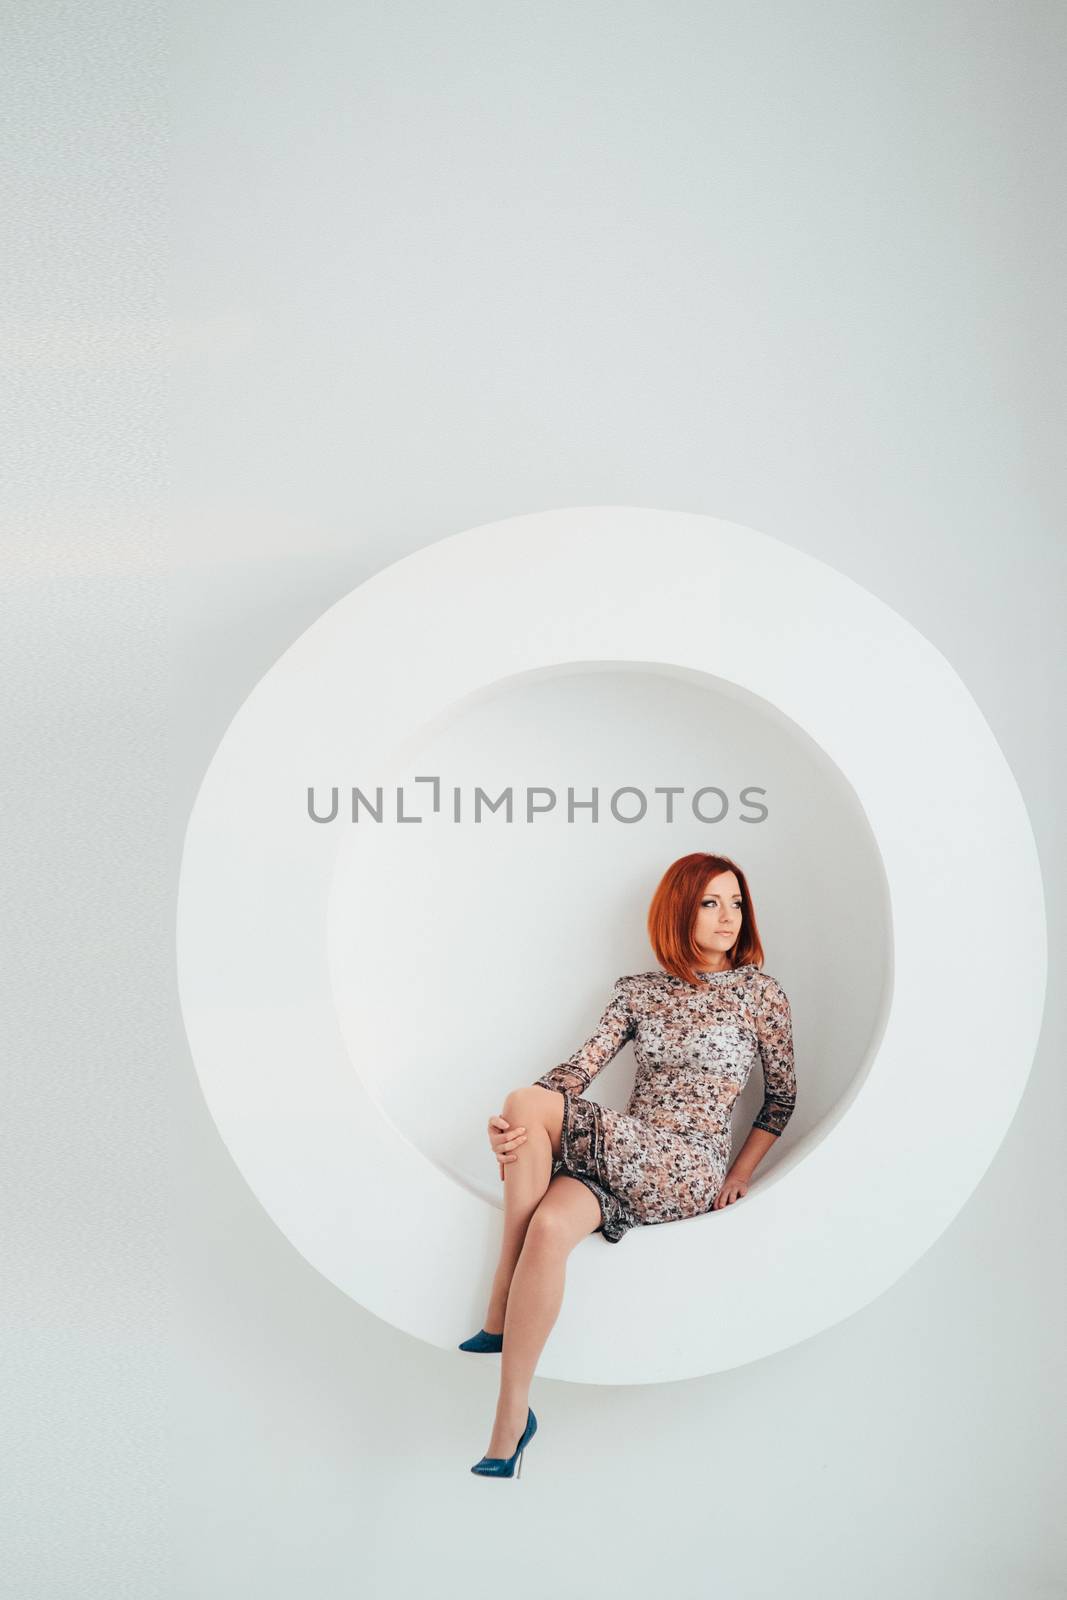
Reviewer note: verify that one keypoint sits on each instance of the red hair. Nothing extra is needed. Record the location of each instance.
(673, 913)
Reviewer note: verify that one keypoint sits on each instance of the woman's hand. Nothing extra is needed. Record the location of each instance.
(733, 1189)
(503, 1138)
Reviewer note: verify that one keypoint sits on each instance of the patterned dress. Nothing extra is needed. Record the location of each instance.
(666, 1156)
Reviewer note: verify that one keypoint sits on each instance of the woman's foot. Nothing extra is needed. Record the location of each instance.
(507, 1431)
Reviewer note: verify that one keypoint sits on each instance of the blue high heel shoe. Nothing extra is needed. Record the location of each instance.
(482, 1342)
(505, 1466)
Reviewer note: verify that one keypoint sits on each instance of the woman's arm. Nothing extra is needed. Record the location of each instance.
(612, 1031)
(750, 1155)
(774, 1030)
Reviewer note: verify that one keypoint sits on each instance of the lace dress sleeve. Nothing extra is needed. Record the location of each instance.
(774, 1029)
(612, 1031)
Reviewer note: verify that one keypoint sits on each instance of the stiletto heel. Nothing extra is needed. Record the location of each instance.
(508, 1466)
(484, 1343)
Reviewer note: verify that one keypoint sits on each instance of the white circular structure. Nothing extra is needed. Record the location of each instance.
(853, 1204)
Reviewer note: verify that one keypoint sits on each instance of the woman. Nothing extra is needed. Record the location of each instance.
(575, 1167)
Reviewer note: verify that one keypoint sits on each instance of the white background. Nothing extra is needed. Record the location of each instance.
(796, 266)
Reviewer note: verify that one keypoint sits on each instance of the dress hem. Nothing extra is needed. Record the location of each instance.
(582, 1157)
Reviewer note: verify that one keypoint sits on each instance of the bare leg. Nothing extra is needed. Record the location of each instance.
(567, 1213)
(540, 1111)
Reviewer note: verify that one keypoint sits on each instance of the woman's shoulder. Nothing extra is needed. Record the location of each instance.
(634, 987)
(769, 987)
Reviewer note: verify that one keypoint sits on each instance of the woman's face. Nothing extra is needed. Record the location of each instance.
(719, 915)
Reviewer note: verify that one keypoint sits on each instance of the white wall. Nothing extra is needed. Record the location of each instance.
(794, 266)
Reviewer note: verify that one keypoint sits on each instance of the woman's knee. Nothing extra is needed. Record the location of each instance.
(524, 1102)
(548, 1229)
(536, 1107)
(568, 1211)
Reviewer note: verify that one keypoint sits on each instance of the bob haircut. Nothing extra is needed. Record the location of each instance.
(673, 913)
